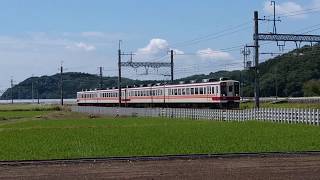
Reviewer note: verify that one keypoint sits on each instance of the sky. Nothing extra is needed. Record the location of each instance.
(37, 36)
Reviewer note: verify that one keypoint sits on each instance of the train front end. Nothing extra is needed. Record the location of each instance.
(230, 94)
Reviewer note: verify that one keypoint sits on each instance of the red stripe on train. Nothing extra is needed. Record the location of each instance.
(225, 98)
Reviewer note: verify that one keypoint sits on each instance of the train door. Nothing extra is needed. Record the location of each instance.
(237, 89)
(230, 89)
(223, 89)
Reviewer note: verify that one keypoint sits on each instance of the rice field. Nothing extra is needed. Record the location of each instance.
(58, 135)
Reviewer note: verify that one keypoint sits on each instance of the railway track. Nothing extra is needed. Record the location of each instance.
(160, 158)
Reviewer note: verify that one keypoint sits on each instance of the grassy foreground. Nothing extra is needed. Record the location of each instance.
(65, 135)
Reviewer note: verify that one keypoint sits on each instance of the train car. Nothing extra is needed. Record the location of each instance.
(209, 94)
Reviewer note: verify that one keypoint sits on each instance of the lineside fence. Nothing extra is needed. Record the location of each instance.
(292, 116)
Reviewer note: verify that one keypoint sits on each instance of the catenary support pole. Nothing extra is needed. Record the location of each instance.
(171, 55)
(119, 76)
(256, 47)
(61, 85)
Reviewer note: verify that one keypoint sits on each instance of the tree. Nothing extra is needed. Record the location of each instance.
(312, 88)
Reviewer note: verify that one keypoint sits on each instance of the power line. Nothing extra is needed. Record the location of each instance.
(227, 31)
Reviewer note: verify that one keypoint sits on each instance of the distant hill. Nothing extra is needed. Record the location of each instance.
(296, 73)
(48, 87)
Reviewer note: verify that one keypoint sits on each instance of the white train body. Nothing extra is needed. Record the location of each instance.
(209, 94)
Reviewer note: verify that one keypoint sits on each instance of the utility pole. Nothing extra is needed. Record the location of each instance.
(171, 53)
(101, 77)
(32, 95)
(273, 3)
(256, 47)
(276, 82)
(61, 84)
(119, 75)
(11, 90)
(246, 52)
(38, 101)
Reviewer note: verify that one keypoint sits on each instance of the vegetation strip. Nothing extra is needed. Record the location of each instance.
(160, 158)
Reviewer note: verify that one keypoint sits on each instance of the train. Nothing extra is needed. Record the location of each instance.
(222, 93)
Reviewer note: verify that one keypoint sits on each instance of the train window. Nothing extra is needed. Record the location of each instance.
(223, 90)
(183, 91)
(209, 89)
(204, 90)
(188, 91)
(179, 92)
(231, 88)
(175, 92)
(201, 90)
(192, 91)
(196, 90)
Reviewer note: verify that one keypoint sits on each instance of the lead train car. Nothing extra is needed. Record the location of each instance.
(220, 94)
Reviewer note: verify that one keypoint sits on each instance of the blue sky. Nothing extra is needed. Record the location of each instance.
(36, 35)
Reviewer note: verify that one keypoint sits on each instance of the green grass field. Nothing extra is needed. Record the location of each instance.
(27, 107)
(65, 135)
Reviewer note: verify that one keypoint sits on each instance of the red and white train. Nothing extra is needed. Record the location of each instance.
(208, 94)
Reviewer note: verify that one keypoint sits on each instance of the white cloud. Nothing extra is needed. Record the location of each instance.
(155, 46)
(213, 54)
(289, 8)
(81, 46)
